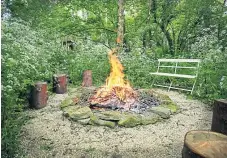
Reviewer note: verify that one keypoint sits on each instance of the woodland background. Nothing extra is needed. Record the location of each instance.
(32, 50)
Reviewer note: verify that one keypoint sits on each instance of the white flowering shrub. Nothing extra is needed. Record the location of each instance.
(29, 56)
(25, 59)
(211, 83)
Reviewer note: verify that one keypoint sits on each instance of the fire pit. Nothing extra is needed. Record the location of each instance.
(117, 103)
(138, 104)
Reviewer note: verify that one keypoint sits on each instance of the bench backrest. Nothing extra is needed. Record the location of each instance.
(176, 66)
(180, 60)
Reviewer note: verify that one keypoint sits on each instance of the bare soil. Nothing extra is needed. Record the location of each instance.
(49, 134)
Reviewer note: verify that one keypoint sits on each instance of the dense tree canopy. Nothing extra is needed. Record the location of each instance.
(33, 32)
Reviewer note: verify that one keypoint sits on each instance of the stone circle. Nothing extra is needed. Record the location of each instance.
(77, 108)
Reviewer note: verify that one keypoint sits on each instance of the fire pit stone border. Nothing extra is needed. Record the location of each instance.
(77, 108)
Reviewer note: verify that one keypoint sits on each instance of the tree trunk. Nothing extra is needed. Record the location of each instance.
(204, 144)
(162, 26)
(39, 95)
(126, 44)
(147, 35)
(121, 21)
(144, 42)
(168, 37)
(60, 83)
(87, 78)
(219, 120)
(150, 6)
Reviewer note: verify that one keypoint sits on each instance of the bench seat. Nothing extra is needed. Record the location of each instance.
(173, 75)
(176, 64)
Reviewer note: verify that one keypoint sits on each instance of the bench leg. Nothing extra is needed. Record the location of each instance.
(193, 86)
(170, 85)
(153, 82)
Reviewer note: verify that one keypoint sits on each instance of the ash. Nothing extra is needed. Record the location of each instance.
(140, 105)
(145, 101)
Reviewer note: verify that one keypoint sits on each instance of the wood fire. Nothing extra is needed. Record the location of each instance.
(117, 91)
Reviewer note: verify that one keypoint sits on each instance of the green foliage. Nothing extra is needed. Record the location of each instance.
(32, 47)
(137, 69)
(11, 121)
(212, 81)
(21, 66)
(29, 56)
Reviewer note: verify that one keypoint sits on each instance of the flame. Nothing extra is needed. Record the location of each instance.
(116, 77)
(116, 86)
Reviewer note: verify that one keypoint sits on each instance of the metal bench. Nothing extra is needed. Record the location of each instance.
(165, 63)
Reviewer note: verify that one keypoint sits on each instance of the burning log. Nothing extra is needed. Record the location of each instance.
(87, 78)
(60, 83)
(201, 144)
(39, 95)
(219, 120)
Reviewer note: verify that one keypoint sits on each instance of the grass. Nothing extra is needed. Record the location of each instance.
(10, 135)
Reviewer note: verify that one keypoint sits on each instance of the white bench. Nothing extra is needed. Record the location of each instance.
(165, 63)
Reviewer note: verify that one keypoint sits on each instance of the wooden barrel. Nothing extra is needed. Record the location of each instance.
(87, 78)
(60, 83)
(39, 95)
(219, 120)
(204, 144)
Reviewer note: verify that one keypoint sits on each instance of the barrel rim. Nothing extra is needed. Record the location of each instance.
(59, 75)
(40, 82)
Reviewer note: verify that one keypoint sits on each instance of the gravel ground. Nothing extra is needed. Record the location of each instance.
(49, 134)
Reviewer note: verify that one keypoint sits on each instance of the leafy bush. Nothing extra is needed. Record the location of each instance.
(211, 82)
(26, 57)
(137, 69)
(35, 55)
